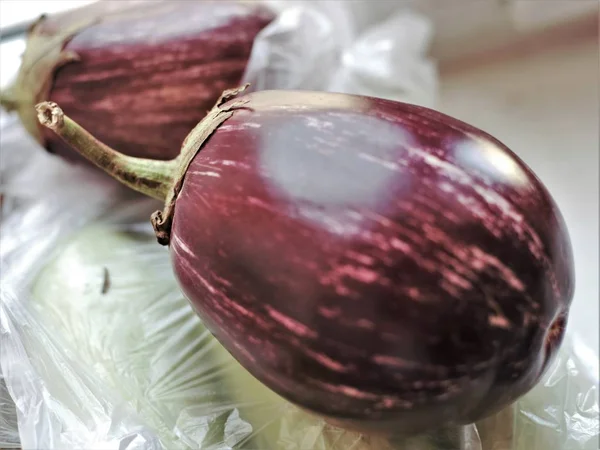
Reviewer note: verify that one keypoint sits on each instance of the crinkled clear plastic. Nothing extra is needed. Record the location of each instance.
(98, 347)
(389, 59)
(300, 49)
(9, 431)
(352, 47)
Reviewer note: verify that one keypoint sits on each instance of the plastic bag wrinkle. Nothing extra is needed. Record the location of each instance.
(389, 60)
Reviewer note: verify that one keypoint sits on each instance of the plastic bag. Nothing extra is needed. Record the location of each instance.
(9, 431)
(345, 47)
(301, 48)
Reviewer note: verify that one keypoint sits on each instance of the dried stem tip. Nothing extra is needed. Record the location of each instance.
(50, 115)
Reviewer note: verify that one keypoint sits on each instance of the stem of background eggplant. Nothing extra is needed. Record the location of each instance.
(150, 177)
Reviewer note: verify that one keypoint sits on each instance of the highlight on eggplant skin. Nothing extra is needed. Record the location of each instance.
(378, 263)
(144, 72)
(382, 265)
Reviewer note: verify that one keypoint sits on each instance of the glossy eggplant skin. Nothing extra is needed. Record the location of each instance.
(381, 264)
(148, 71)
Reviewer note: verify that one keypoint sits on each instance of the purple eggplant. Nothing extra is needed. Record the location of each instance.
(137, 74)
(381, 264)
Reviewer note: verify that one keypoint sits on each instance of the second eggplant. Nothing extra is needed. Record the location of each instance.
(138, 74)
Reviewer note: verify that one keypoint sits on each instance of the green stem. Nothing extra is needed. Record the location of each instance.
(162, 180)
(150, 177)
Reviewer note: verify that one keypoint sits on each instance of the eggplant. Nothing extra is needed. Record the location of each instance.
(137, 74)
(380, 264)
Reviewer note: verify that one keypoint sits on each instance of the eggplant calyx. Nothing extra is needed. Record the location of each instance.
(161, 220)
(44, 55)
